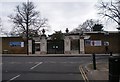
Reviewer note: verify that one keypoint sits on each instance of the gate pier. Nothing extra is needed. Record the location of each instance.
(43, 45)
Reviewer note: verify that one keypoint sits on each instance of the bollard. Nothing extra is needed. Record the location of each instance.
(110, 53)
(94, 61)
(114, 68)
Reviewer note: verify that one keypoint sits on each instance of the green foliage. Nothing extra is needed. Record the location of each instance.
(58, 35)
(98, 27)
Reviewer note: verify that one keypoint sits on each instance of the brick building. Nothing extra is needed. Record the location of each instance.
(85, 43)
(13, 45)
(72, 43)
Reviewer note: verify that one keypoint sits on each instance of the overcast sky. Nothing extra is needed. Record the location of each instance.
(61, 14)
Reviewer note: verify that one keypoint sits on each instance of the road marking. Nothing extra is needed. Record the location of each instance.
(15, 62)
(36, 65)
(14, 78)
(83, 74)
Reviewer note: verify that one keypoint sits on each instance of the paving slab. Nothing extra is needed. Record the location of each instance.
(101, 73)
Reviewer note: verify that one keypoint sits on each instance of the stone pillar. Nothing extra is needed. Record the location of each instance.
(30, 46)
(82, 47)
(43, 44)
(67, 43)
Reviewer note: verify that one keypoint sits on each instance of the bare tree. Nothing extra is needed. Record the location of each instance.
(0, 23)
(87, 26)
(3, 32)
(0, 27)
(110, 10)
(26, 16)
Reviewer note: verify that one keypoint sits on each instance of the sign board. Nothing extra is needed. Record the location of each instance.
(106, 43)
(93, 42)
(22, 44)
(16, 44)
(97, 43)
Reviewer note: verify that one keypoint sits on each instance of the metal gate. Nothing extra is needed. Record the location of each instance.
(33, 46)
(55, 46)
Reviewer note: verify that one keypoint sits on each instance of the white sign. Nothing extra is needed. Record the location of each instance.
(92, 43)
(96, 43)
(22, 44)
(106, 43)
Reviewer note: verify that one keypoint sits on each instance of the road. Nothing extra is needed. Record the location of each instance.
(43, 68)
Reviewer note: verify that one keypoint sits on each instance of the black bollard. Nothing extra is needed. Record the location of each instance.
(114, 68)
(110, 53)
(94, 61)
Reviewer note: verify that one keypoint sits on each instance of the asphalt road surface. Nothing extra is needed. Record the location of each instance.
(42, 68)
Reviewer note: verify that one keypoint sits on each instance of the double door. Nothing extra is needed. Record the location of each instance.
(55, 46)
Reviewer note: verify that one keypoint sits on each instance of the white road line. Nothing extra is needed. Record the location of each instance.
(14, 78)
(36, 65)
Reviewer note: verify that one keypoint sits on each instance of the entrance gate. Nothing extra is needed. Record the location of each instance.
(55, 46)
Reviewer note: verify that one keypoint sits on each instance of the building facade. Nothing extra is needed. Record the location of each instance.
(13, 45)
(72, 43)
(86, 43)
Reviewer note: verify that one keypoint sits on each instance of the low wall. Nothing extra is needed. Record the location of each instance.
(9, 47)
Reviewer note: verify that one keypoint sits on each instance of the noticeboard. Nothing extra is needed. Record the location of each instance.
(16, 44)
(93, 43)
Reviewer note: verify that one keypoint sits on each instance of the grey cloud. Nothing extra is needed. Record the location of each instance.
(60, 13)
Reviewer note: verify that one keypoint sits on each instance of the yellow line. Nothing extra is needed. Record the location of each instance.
(83, 74)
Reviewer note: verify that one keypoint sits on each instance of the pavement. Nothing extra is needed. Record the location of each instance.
(52, 55)
(101, 72)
